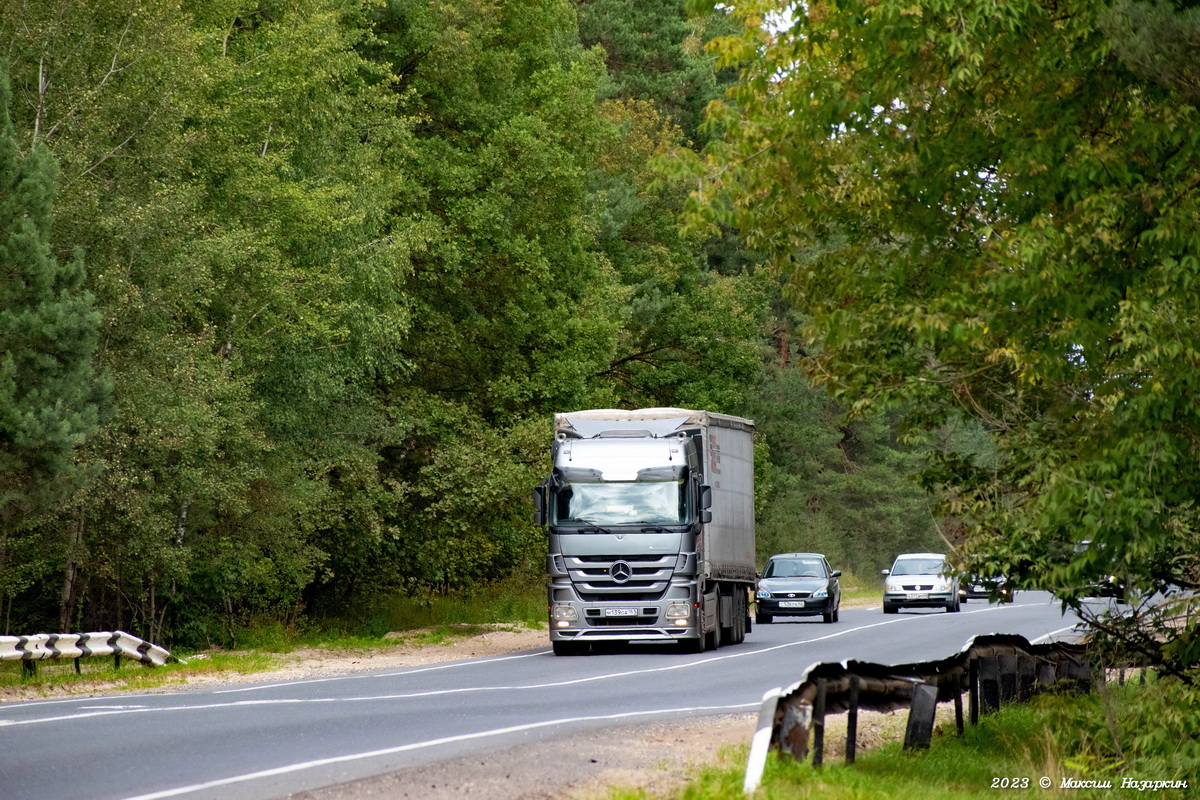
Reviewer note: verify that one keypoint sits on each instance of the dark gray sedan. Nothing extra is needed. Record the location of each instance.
(798, 585)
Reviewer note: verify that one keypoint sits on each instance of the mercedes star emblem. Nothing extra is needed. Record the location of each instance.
(621, 572)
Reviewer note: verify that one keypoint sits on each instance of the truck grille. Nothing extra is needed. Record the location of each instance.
(643, 577)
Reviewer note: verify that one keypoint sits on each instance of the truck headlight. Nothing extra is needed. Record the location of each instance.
(564, 613)
(679, 611)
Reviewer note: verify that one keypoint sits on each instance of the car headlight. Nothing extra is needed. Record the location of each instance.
(821, 593)
(762, 593)
(888, 586)
(941, 587)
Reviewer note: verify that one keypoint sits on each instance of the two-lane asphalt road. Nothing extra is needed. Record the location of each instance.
(271, 739)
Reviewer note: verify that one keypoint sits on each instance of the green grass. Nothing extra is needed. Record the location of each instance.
(132, 676)
(859, 592)
(386, 622)
(424, 620)
(1140, 733)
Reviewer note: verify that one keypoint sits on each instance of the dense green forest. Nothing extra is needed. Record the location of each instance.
(289, 291)
(992, 211)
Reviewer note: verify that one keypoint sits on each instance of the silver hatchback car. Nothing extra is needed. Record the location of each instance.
(920, 580)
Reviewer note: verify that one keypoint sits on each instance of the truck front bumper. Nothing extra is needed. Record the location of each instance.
(657, 620)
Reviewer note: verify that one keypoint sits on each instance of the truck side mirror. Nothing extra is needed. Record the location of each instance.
(539, 505)
(704, 501)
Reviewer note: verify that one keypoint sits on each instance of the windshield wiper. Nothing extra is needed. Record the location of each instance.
(655, 529)
(594, 529)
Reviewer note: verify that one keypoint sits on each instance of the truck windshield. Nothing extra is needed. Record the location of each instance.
(621, 503)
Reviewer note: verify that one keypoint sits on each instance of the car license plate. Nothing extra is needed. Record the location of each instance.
(918, 596)
(620, 612)
(791, 604)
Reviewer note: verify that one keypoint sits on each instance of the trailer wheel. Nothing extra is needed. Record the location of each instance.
(739, 616)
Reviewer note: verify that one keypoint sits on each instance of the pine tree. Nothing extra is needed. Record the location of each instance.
(50, 400)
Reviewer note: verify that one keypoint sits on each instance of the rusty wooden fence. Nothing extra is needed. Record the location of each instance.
(991, 670)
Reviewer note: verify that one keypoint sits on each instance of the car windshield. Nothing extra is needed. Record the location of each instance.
(919, 566)
(794, 568)
(621, 503)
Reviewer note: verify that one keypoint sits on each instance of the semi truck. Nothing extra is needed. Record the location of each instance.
(649, 515)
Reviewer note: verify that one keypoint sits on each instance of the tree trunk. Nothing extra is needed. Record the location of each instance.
(71, 574)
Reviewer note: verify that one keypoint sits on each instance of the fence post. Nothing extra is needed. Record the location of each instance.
(920, 717)
(1008, 678)
(958, 712)
(29, 668)
(1025, 677)
(818, 724)
(989, 685)
(793, 728)
(761, 742)
(852, 721)
(1047, 674)
(973, 690)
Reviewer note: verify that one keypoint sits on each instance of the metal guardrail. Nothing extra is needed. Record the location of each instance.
(29, 650)
(992, 670)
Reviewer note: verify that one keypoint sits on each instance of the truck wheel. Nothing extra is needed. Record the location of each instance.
(762, 619)
(713, 641)
(568, 648)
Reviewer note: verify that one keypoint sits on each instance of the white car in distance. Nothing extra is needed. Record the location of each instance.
(920, 580)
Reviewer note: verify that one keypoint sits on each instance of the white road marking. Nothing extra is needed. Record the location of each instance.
(113, 710)
(1046, 638)
(320, 762)
(453, 665)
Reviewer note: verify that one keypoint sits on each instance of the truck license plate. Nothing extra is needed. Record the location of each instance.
(620, 612)
(791, 604)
